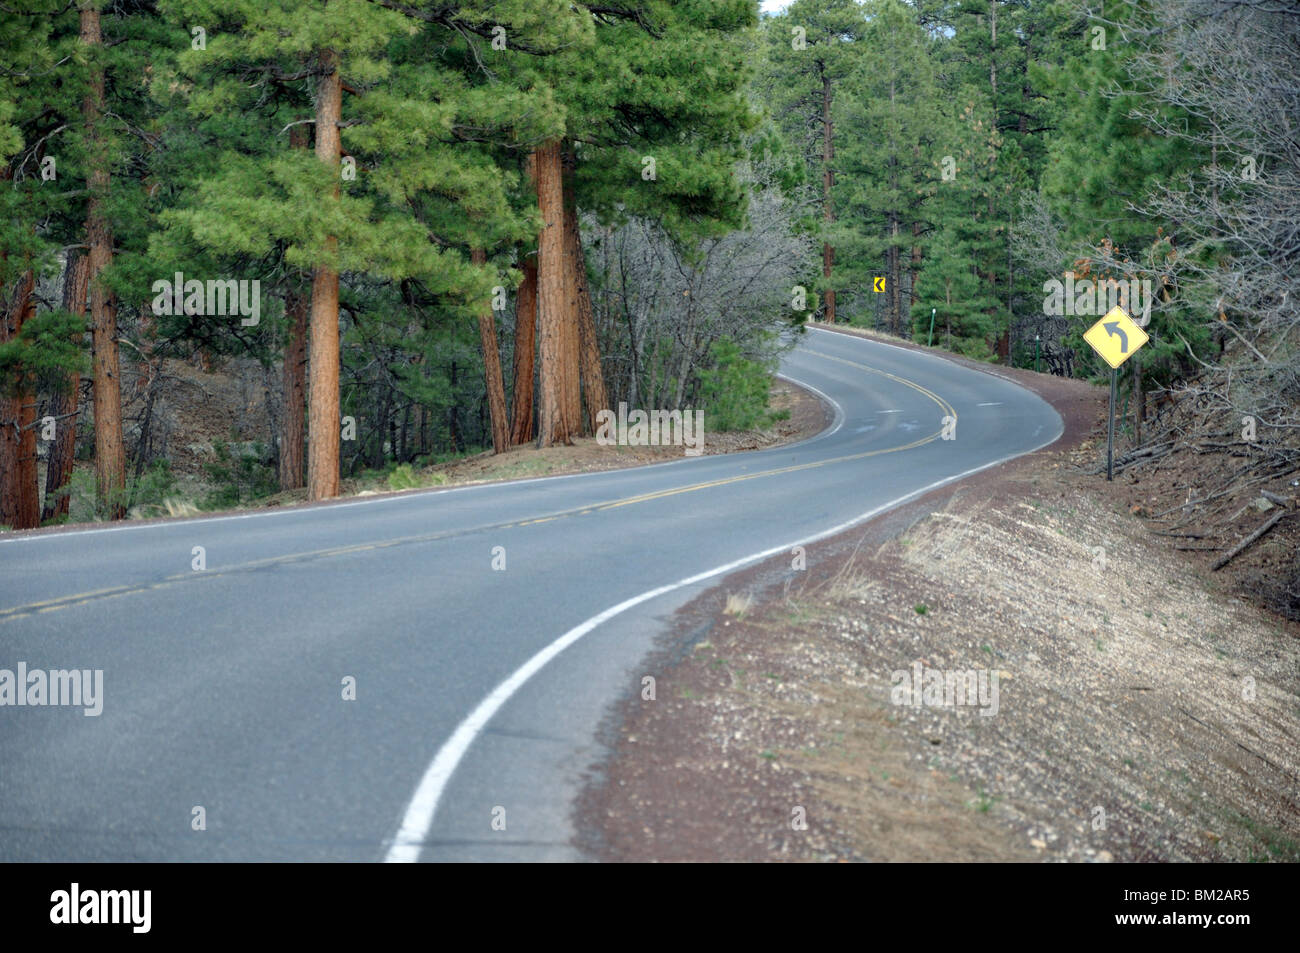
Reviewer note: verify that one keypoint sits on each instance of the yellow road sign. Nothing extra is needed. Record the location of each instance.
(1115, 337)
(880, 284)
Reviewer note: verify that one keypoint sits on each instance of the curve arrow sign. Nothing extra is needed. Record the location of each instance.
(1112, 329)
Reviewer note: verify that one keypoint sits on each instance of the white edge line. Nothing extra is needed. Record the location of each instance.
(27, 537)
(418, 818)
(828, 432)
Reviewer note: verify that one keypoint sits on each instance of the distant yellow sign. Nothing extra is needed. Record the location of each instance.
(880, 284)
(1115, 337)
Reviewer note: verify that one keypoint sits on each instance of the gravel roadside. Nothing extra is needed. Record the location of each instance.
(1141, 713)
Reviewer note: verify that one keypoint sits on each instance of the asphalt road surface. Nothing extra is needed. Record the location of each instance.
(478, 690)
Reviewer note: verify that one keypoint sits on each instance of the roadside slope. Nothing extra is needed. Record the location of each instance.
(1143, 713)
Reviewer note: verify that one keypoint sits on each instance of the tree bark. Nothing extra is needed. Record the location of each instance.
(915, 270)
(324, 422)
(294, 370)
(894, 272)
(110, 461)
(993, 58)
(521, 428)
(496, 392)
(571, 339)
(828, 180)
(555, 423)
(294, 418)
(525, 349)
(19, 496)
(146, 383)
(62, 452)
(593, 377)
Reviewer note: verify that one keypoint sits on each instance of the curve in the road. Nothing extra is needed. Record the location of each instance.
(223, 684)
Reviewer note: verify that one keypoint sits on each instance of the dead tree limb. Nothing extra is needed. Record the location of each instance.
(1236, 550)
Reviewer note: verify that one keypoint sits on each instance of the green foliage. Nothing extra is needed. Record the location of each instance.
(402, 478)
(405, 477)
(734, 392)
(944, 114)
(239, 475)
(1110, 157)
(666, 81)
(156, 484)
(891, 129)
(47, 350)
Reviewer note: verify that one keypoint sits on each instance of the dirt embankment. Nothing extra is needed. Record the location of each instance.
(807, 416)
(1143, 712)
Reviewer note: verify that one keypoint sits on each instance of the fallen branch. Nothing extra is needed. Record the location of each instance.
(1154, 452)
(1231, 487)
(1236, 550)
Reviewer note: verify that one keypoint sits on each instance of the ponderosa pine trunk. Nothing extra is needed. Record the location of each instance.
(294, 378)
(555, 423)
(9, 418)
(324, 421)
(593, 377)
(893, 273)
(62, 452)
(294, 369)
(521, 426)
(525, 349)
(19, 495)
(571, 339)
(496, 391)
(110, 459)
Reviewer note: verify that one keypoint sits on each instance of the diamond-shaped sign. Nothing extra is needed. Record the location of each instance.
(1115, 337)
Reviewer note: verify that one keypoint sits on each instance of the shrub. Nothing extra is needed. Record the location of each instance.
(402, 478)
(734, 392)
(239, 474)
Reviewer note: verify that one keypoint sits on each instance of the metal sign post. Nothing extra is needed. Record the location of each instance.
(1110, 427)
(1116, 338)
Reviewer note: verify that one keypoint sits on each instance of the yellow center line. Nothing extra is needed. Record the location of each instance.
(81, 598)
(893, 377)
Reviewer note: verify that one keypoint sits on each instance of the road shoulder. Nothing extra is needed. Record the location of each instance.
(1141, 714)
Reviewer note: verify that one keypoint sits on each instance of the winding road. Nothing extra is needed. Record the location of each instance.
(478, 690)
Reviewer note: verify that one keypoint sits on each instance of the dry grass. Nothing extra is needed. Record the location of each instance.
(738, 603)
(1123, 698)
(1126, 686)
(179, 507)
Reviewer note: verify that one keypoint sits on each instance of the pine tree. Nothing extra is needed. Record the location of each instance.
(37, 85)
(655, 112)
(894, 139)
(390, 92)
(813, 47)
(1104, 163)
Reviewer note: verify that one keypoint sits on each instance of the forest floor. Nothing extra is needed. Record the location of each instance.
(1148, 708)
(200, 408)
(804, 416)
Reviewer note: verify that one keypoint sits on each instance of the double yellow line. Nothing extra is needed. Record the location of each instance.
(81, 598)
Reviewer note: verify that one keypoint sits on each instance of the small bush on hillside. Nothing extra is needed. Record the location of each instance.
(239, 475)
(734, 392)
